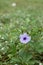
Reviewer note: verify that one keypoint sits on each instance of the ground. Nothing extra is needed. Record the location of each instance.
(25, 17)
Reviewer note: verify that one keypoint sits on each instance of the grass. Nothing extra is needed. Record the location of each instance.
(26, 16)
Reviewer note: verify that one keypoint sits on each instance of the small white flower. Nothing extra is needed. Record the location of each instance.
(2, 48)
(13, 4)
(6, 41)
(2, 38)
(40, 63)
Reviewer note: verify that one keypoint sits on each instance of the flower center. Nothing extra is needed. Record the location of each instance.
(24, 38)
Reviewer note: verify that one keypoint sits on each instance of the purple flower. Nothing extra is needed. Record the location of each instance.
(25, 38)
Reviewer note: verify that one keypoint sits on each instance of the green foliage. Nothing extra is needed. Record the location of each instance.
(15, 21)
